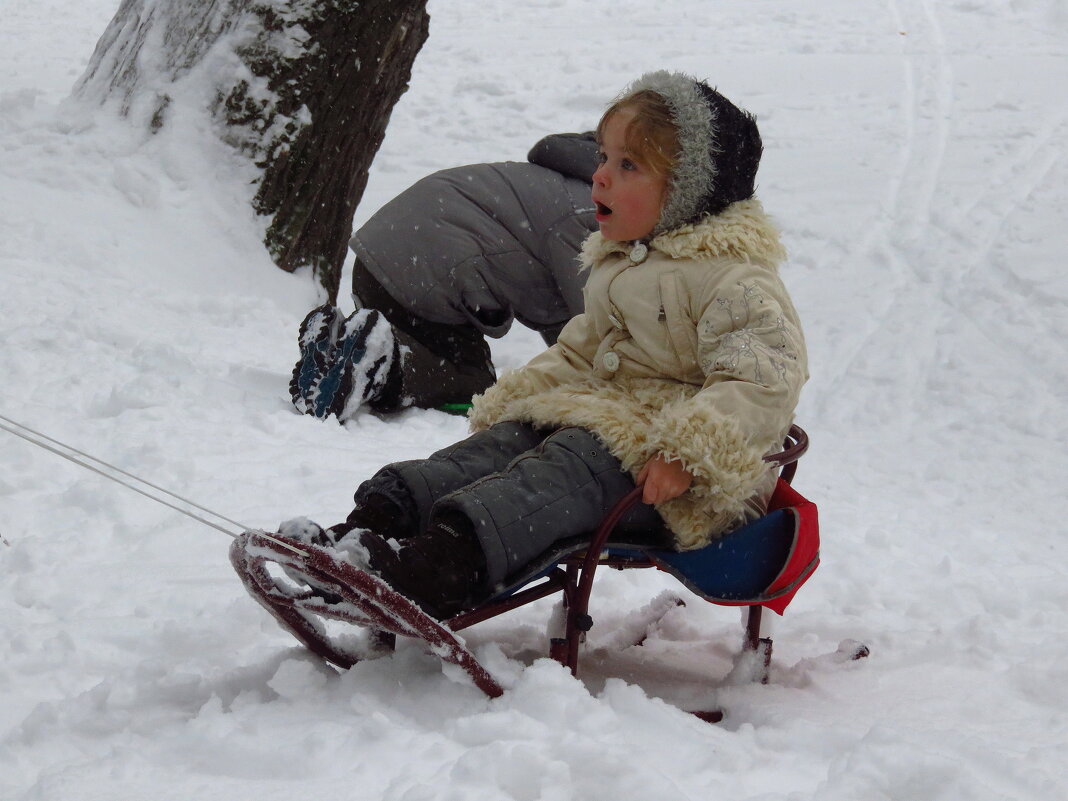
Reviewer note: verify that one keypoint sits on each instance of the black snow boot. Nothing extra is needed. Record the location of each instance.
(442, 570)
(379, 512)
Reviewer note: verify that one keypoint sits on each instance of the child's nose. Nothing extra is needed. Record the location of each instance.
(600, 176)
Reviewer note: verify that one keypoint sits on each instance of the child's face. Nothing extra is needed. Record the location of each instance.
(627, 193)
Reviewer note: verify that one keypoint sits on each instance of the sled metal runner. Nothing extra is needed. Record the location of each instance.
(336, 590)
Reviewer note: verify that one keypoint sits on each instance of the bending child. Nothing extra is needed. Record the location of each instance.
(680, 376)
(448, 262)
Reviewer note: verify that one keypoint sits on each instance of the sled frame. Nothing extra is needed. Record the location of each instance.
(339, 591)
(574, 575)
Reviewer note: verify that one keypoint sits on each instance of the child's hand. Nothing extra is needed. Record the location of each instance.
(662, 480)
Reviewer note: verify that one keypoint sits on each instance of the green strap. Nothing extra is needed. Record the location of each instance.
(455, 408)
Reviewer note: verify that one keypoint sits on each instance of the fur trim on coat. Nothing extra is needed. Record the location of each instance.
(742, 231)
(710, 379)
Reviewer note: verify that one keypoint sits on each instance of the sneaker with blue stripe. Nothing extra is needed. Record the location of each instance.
(317, 339)
(359, 365)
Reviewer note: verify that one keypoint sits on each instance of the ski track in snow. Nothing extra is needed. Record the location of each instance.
(915, 159)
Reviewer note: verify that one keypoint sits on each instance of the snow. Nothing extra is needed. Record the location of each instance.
(915, 157)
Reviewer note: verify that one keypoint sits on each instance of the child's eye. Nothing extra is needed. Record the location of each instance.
(627, 164)
(601, 157)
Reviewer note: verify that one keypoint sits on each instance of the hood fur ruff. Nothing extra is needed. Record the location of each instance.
(695, 170)
(741, 231)
(638, 418)
(719, 148)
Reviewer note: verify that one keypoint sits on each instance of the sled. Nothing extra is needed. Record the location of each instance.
(759, 566)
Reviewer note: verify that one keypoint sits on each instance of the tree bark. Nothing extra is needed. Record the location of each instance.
(304, 88)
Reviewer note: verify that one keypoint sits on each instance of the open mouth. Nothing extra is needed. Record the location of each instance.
(602, 209)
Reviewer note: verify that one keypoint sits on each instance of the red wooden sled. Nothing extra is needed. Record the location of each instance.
(345, 593)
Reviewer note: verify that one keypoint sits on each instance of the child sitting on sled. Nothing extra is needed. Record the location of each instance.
(681, 375)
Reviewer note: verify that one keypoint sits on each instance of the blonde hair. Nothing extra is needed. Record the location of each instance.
(651, 136)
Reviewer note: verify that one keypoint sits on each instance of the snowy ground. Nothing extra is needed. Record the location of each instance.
(916, 161)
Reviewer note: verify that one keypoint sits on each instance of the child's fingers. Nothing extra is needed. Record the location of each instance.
(662, 480)
(648, 482)
(643, 475)
(654, 491)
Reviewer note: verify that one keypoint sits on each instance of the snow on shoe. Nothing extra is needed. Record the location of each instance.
(317, 338)
(304, 530)
(359, 367)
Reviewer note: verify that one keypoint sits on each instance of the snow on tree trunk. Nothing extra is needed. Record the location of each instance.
(304, 88)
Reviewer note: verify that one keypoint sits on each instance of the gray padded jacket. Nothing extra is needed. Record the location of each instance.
(483, 244)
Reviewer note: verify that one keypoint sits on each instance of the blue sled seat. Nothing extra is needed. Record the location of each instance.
(762, 563)
(737, 568)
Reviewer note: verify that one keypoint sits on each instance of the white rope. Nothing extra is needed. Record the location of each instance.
(24, 431)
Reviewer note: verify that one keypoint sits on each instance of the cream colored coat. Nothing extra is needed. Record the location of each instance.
(695, 353)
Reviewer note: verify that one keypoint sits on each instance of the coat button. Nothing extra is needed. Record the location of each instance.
(610, 361)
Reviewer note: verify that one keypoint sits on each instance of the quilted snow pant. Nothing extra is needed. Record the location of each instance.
(522, 488)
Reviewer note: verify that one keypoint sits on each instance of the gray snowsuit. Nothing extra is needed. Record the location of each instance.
(464, 251)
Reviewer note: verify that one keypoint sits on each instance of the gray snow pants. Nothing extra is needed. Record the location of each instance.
(523, 489)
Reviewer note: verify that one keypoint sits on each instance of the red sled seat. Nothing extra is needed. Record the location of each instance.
(762, 564)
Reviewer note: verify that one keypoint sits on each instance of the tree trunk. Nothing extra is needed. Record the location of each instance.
(303, 87)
